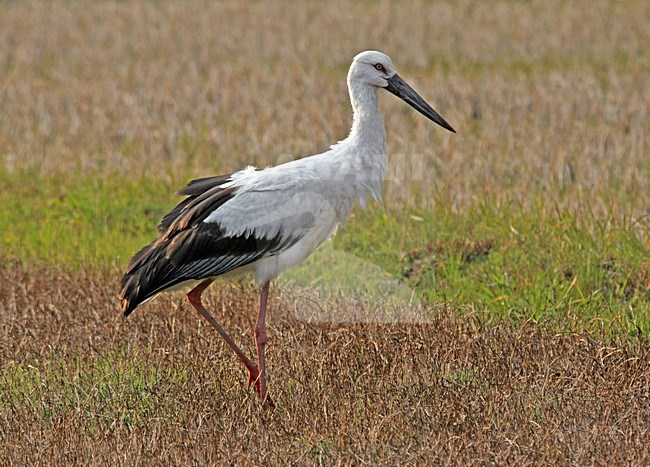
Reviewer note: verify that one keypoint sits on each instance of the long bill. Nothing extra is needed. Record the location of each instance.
(401, 89)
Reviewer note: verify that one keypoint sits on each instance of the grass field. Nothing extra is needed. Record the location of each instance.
(524, 239)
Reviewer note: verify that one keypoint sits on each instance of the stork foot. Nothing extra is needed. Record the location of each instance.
(254, 377)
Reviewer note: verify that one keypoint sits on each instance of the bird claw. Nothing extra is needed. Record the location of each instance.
(254, 378)
(251, 379)
(267, 402)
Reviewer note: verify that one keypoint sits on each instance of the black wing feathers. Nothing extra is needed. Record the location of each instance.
(190, 249)
(193, 190)
(201, 185)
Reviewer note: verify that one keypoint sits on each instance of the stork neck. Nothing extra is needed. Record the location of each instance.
(367, 125)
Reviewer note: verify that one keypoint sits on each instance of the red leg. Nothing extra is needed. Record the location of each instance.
(194, 297)
(260, 341)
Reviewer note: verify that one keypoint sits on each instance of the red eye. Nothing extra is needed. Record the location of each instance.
(380, 67)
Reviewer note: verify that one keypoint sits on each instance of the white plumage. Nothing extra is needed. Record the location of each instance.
(269, 220)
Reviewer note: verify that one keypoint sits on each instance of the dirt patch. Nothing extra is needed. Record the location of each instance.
(160, 386)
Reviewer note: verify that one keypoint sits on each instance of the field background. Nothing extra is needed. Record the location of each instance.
(525, 237)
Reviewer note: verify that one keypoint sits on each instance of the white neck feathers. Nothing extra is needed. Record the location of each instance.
(367, 125)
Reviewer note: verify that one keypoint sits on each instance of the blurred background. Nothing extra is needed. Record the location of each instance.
(516, 252)
(549, 99)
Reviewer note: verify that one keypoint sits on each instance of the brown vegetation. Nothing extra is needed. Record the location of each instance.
(456, 390)
(549, 100)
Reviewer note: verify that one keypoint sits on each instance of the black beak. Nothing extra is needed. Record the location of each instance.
(401, 89)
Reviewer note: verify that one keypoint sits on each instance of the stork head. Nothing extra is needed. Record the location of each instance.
(372, 68)
(376, 69)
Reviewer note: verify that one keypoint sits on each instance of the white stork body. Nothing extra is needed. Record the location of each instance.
(269, 220)
(303, 199)
(310, 197)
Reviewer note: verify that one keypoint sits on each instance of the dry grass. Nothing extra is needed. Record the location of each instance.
(161, 388)
(551, 103)
(550, 100)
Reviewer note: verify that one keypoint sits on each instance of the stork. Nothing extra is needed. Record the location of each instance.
(268, 220)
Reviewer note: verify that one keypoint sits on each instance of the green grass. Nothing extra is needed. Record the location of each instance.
(121, 388)
(536, 263)
(536, 347)
(83, 222)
